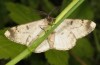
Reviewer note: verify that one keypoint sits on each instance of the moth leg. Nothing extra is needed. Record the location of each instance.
(43, 28)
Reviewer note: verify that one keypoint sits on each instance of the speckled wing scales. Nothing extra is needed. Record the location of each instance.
(44, 46)
(24, 34)
(69, 31)
(81, 28)
(63, 37)
(64, 41)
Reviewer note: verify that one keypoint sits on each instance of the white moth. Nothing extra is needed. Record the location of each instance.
(63, 38)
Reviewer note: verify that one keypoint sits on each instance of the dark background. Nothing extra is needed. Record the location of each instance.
(15, 12)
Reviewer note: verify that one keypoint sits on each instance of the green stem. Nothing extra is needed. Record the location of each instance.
(97, 44)
(96, 41)
(64, 14)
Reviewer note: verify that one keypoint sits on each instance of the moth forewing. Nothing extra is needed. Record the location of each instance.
(81, 28)
(25, 33)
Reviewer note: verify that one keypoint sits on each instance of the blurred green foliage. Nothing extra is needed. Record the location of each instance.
(86, 51)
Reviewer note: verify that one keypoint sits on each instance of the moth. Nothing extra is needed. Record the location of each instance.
(63, 37)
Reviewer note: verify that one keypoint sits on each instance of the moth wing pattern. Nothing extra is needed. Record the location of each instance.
(64, 37)
(44, 46)
(25, 33)
(81, 28)
(69, 31)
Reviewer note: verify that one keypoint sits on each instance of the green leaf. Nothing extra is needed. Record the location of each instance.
(34, 3)
(56, 57)
(83, 49)
(9, 49)
(3, 14)
(21, 14)
(48, 6)
(83, 12)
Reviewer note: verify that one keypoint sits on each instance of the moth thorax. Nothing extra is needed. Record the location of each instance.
(50, 20)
